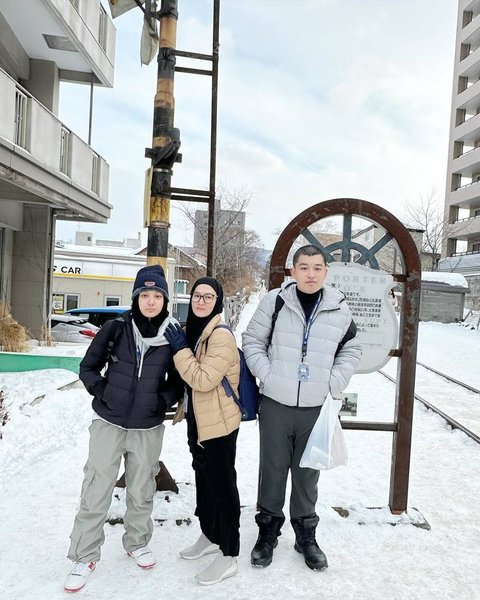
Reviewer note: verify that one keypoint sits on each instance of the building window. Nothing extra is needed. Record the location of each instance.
(102, 28)
(72, 301)
(58, 303)
(475, 247)
(467, 17)
(464, 51)
(65, 151)
(21, 114)
(112, 300)
(63, 302)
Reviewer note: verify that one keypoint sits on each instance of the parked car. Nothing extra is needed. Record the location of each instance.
(97, 315)
(67, 328)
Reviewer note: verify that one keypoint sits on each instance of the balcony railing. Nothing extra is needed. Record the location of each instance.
(465, 185)
(21, 113)
(466, 219)
(466, 253)
(30, 126)
(102, 27)
(95, 173)
(66, 151)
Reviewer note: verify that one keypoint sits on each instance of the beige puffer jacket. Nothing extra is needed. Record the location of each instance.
(216, 413)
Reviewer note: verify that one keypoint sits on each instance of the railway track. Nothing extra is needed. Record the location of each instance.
(465, 401)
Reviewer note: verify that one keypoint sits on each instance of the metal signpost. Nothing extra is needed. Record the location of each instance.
(367, 292)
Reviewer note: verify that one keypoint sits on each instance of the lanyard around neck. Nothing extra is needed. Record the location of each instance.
(308, 326)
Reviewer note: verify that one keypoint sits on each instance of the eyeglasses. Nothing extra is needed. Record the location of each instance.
(207, 298)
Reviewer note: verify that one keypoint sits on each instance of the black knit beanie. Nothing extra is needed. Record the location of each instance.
(151, 277)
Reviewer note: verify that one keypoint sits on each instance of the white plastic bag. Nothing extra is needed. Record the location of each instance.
(326, 448)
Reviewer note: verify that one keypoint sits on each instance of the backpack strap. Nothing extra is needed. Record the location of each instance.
(114, 333)
(279, 302)
(225, 383)
(351, 333)
(221, 326)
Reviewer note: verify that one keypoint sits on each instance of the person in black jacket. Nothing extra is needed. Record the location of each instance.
(129, 403)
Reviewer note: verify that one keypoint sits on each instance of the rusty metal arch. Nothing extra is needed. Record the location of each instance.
(409, 315)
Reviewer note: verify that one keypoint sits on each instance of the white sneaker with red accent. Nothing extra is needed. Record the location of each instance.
(78, 576)
(144, 557)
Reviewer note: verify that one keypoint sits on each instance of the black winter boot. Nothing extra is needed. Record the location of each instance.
(269, 530)
(306, 544)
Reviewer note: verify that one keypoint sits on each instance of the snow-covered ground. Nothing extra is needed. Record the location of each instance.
(44, 448)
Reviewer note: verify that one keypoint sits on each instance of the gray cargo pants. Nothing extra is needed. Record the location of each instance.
(284, 431)
(141, 451)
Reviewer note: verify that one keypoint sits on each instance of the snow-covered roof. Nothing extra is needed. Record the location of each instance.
(105, 250)
(453, 279)
(468, 264)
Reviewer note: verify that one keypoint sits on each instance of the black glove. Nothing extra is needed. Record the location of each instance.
(176, 337)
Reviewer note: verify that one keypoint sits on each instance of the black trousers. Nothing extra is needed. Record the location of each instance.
(284, 431)
(218, 502)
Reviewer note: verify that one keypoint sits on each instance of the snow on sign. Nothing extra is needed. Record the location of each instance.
(368, 295)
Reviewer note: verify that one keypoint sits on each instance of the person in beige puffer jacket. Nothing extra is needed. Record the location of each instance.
(204, 355)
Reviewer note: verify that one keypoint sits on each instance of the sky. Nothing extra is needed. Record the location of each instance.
(45, 445)
(318, 99)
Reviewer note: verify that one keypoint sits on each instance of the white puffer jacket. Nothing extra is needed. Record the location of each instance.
(276, 366)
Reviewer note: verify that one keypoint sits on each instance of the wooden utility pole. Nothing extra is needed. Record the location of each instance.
(166, 138)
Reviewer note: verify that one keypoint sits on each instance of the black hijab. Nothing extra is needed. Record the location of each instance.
(195, 325)
(148, 327)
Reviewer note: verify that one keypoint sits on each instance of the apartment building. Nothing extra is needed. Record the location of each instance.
(462, 198)
(47, 172)
(230, 222)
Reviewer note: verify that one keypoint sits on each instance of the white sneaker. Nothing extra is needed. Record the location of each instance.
(78, 576)
(201, 547)
(144, 557)
(221, 568)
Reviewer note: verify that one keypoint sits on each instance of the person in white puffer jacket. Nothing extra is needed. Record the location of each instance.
(314, 350)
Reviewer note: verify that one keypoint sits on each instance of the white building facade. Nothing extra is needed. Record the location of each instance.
(47, 172)
(462, 198)
(96, 273)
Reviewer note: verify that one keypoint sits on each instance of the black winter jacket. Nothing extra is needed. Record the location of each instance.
(120, 397)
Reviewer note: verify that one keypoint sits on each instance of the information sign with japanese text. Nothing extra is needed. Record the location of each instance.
(368, 293)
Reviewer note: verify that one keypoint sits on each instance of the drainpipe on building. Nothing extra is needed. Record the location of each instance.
(166, 138)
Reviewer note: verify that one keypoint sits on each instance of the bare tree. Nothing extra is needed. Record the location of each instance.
(235, 248)
(428, 215)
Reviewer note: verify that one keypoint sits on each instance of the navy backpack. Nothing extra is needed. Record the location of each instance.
(248, 393)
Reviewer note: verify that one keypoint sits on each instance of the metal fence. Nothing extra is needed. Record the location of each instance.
(233, 306)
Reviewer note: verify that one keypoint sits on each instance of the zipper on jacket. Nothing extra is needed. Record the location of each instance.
(314, 316)
(133, 389)
(307, 326)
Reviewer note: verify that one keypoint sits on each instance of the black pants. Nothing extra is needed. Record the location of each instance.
(284, 431)
(218, 502)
